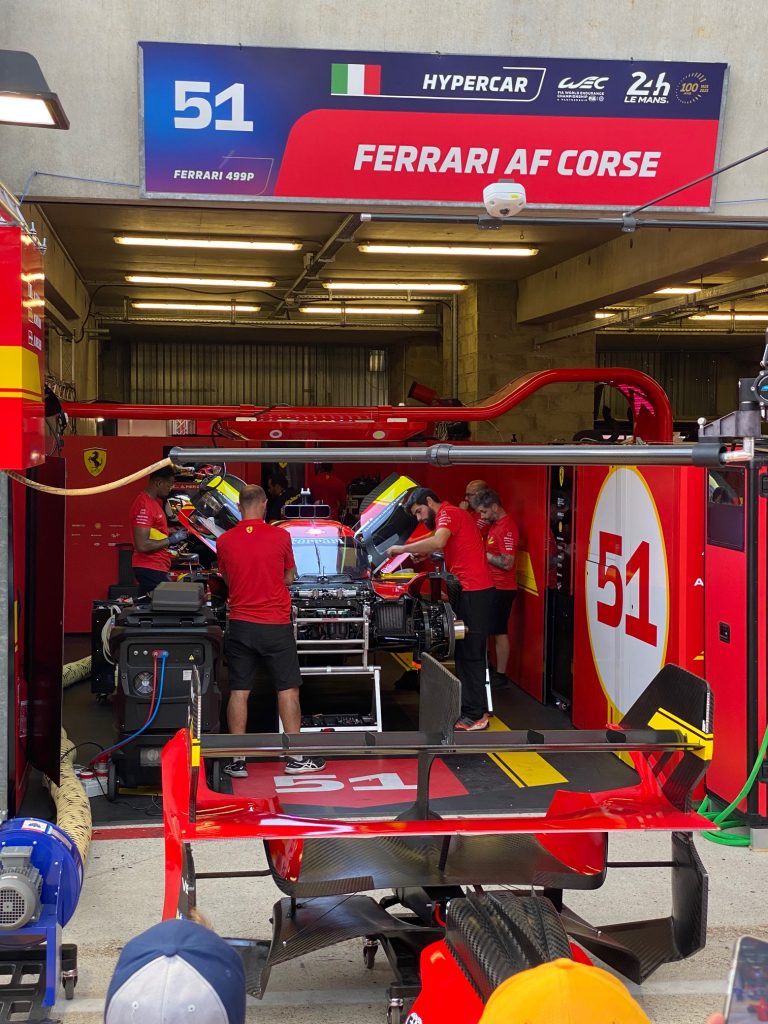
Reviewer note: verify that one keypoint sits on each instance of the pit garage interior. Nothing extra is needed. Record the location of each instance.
(687, 305)
(277, 330)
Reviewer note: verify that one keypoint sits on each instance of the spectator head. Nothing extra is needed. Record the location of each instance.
(562, 991)
(325, 467)
(253, 502)
(488, 504)
(161, 481)
(177, 971)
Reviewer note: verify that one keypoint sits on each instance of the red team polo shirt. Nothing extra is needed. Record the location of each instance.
(329, 490)
(148, 512)
(465, 550)
(253, 557)
(503, 538)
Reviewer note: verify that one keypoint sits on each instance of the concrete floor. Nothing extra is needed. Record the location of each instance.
(123, 895)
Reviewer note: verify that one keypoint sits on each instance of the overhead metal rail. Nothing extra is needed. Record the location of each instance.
(709, 454)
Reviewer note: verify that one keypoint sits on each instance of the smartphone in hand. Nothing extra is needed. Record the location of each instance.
(747, 999)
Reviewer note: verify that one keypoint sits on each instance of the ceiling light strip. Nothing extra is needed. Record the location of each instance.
(206, 307)
(207, 243)
(212, 282)
(445, 250)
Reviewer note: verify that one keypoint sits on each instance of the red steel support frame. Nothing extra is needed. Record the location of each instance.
(505, 399)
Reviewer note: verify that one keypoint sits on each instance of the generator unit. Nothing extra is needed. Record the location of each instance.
(162, 645)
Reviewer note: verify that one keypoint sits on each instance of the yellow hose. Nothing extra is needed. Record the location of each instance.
(81, 491)
(75, 672)
(73, 808)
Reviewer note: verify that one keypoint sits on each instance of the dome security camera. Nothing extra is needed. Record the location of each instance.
(504, 199)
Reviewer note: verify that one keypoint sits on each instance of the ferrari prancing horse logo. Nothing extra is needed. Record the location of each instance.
(95, 460)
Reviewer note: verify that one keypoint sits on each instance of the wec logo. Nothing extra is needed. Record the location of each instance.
(588, 84)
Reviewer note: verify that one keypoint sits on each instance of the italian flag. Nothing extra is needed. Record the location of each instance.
(355, 79)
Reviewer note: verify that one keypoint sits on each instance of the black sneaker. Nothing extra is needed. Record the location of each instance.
(236, 768)
(304, 765)
(498, 679)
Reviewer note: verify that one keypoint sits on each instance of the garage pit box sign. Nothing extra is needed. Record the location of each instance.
(363, 127)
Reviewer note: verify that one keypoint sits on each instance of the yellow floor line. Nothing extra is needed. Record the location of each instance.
(525, 770)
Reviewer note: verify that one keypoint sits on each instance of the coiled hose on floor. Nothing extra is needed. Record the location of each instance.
(73, 808)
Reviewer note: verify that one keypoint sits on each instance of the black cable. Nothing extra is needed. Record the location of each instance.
(89, 311)
(76, 746)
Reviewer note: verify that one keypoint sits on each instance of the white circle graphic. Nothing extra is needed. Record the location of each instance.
(627, 588)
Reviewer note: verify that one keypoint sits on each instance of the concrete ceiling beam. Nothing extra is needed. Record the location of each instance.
(632, 265)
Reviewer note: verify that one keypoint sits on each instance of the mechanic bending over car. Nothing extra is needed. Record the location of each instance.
(256, 561)
(152, 538)
(457, 536)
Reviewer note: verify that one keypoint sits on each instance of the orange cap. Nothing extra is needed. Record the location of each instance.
(563, 991)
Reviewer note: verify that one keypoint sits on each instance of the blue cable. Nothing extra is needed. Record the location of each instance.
(163, 657)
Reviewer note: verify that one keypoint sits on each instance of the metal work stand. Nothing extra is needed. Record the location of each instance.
(357, 649)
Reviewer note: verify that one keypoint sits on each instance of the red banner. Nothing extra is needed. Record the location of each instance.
(563, 161)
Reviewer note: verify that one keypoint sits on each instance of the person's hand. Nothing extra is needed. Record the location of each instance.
(465, 505)
(396, 549)
(716, 1018)
(177, 538)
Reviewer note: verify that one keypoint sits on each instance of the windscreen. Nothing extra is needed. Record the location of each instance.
(321, 552)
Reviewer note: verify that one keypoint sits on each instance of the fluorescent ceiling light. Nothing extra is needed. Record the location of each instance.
(730, 316)
(604, 316)
(363, 310)
(213, 282)
(208, 307)
(677, 291)
(447, 250)
(207, 243)
(25, 98)
(393, 286)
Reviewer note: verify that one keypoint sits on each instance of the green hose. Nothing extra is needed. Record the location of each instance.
(721, 817)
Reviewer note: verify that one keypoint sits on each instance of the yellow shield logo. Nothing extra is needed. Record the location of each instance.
(95, 460)
(249, 529)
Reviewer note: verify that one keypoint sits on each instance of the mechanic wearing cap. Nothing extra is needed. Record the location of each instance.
(256, 561)
(152, 538)
(502, 538)
(177, 971)
(456, 535)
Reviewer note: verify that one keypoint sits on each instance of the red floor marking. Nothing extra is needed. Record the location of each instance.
(128, 832)
(374, 782)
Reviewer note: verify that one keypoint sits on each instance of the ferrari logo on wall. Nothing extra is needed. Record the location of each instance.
(95, 460)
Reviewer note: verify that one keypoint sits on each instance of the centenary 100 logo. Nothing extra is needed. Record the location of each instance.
(627, 588)
(692, 87)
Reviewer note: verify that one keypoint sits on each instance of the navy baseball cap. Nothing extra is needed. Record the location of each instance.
(177, 971)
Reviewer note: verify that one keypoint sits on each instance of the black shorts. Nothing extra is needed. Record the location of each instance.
(148, 579)
(500, 609)
(250, 645)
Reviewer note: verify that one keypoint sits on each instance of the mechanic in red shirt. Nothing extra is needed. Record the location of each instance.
(473, 489)
(256, 561)
(456, 535)
(329, 489)
(502, 539)
(152, 538)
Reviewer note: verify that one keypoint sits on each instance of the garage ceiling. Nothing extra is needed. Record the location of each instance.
(87, 231)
